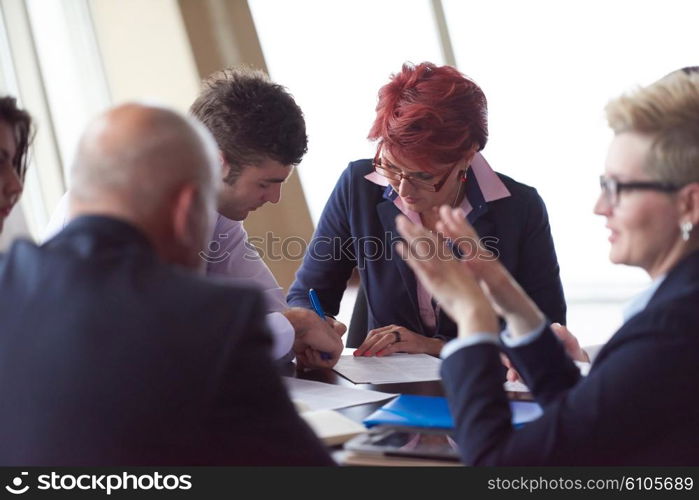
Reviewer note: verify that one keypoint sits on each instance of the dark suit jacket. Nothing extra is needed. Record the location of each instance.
(108, 356)
(358, 229)
(638, 405)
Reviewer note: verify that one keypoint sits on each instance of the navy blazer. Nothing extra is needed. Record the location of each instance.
(358, 229)
(637, 406)
(109, 356)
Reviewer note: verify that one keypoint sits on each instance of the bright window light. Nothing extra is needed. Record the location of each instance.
(333, 57)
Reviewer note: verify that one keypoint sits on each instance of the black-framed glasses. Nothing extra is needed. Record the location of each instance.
(612, 187)
(427, 183)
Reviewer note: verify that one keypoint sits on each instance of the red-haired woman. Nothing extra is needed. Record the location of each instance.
(431, 123)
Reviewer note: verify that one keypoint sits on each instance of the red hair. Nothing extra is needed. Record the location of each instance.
(429, 114)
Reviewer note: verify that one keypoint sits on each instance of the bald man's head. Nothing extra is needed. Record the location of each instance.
(154, 168)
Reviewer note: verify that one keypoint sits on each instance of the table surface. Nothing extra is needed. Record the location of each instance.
(359, 412)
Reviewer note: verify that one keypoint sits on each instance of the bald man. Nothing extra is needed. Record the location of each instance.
(113, 350)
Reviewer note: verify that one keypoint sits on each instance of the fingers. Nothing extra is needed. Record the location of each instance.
(513, 375)
(377, 339)
(570, 343)
(390, 349)
(339, 327)
(454, 225)
(311, 358)
(321, 336)
(561, 331)
(384, 340)
(505, 360)
(411, 231)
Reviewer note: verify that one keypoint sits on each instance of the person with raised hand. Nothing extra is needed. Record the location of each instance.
(635, 407)
(16, 135)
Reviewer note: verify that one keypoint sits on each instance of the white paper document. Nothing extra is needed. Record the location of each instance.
(516, 386)
(332, 427)
(393, 369)
(319, 396)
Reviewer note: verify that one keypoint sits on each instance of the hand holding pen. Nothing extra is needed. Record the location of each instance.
(318, 308)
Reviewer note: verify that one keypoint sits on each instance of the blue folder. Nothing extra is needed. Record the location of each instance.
(408, 410)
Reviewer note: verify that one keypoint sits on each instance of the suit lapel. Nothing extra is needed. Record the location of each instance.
(682, 279)
(387, 213)
(477, 217)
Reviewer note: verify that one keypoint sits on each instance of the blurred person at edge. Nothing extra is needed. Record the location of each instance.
(431, 124)
(637, 405)
(261, 134)
(15, 137)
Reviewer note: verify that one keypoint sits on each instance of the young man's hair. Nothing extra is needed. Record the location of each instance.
(252, 119)
(21, 124)
(668, 112)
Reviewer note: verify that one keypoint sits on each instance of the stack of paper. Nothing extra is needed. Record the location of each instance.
(316, 401)
(331, 427)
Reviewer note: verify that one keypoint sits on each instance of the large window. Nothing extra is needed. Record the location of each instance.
(69, 58)
(50, 61)
(548, 68)
(334, 57)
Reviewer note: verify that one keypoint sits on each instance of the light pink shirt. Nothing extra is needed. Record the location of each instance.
(492, 189)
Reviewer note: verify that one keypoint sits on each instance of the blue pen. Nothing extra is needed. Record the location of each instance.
(318, 308)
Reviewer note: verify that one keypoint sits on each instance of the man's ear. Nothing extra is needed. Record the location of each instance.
(225, 167)
(183, 206)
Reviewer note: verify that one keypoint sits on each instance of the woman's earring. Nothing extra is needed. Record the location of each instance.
(686, 228)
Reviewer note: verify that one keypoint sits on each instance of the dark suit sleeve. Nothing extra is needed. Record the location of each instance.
(545, 367)
(538, 271)
(253, 416)
(629, 402)
(330, 257)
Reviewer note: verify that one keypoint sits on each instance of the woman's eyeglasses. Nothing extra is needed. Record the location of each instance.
(611, 188)
(427, 183)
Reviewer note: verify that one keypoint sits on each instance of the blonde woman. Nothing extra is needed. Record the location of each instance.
(637, 406)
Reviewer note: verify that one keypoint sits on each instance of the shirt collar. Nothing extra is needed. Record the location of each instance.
(640, 301)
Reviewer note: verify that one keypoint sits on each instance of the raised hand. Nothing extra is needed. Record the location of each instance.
(506, 296)
(449, 280)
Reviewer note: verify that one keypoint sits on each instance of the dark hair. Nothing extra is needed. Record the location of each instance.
(251, 119)
(429, 112)
(21, 124)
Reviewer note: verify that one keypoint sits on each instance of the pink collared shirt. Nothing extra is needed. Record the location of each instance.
(492, 189)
